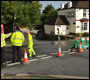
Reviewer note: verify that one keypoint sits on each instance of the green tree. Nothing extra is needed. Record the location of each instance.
(48, 12)
(27, 14)
(6, 15)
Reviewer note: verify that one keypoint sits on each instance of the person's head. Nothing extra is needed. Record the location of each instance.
(17, 28)
(28, 32)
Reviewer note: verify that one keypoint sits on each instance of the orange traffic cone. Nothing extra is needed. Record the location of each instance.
(25, 57)
(80, 49)
(59, 53)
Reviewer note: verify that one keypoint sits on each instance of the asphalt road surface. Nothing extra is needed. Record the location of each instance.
(46, 61)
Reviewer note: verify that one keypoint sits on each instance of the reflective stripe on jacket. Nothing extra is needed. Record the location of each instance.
(3, 36)
(17, 38)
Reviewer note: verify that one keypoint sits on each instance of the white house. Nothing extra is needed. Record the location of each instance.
(72, 18)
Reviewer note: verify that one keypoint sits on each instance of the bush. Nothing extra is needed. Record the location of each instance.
(86, 34)
(79, 35)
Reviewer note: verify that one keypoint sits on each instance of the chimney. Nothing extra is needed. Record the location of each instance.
(69, 4)
(62, 6)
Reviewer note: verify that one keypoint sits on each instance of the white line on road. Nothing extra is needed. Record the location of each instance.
(8, 61)
(57, 54)
(41, 55)
(13, 64)
(54, 53)
(33, 60)
(46, 57)
(62, 52)
(71, 53)
(66, 51)
(19, 62)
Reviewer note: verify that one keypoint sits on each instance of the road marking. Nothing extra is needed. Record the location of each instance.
(62, 52)
(13, 64)
(69, 49)
(71, 53)
(46, 57)
(57, 54)
(41, 55)
(33, 60)
(8, 61)
(19, 62)
(54, 53)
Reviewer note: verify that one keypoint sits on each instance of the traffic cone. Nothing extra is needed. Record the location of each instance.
(80, 49)
(25, 57)
(59, 53)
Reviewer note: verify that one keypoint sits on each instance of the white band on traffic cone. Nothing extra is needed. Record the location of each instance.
(59, 49)
(25, 55)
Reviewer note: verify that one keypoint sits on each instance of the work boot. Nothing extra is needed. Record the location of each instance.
(34, 56)
(30, 56)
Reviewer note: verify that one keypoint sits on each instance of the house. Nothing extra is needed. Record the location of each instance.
(72, 18)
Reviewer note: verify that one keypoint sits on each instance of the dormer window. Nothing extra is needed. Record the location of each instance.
(84, 12)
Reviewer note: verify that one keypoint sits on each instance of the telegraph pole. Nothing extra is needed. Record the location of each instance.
(14, 22)
(59, 36)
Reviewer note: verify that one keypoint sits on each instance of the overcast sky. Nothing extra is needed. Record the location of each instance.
(55, 4)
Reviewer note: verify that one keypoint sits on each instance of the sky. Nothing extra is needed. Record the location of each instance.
(55, 4)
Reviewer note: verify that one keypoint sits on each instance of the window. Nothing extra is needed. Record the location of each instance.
(84, 12)
(83, 26)
(67, 27)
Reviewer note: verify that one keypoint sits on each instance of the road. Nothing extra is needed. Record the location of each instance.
(47, 63)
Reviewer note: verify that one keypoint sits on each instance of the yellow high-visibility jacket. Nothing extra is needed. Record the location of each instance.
(17, 38)
(30, 39)
(3, 36)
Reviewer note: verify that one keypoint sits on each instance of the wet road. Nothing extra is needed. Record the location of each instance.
(47, 62)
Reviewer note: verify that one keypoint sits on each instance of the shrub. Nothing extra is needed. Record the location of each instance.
(79, 35)
(86, 34)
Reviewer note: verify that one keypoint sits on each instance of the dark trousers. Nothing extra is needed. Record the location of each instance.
(16, 53)
(3, 56)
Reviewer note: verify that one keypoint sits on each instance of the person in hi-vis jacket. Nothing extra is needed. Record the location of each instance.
(3, 44)
(30, 45)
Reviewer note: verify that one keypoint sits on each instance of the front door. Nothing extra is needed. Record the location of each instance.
(63, 30)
